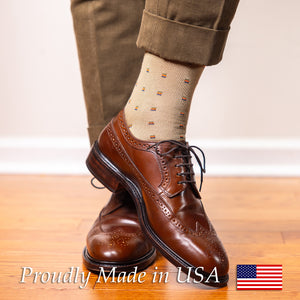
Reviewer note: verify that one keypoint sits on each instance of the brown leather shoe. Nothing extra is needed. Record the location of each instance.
(116, 239)
(159, 177)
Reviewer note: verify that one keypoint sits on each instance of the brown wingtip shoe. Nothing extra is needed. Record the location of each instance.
(160, 179)
(116, 239)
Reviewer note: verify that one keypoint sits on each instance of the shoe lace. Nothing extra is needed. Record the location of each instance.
(186, 156)
(95, 186)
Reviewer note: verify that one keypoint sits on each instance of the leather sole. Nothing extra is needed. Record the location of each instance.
(94, 265)
(112, 178)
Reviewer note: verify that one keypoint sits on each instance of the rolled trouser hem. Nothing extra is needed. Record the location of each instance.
(94, 132)
(181, 42)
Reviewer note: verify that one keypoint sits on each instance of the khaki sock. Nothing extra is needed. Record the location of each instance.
(159, 105)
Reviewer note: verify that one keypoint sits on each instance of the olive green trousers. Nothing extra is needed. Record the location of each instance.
(112, 36)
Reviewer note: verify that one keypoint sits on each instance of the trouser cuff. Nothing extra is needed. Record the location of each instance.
(181, 42)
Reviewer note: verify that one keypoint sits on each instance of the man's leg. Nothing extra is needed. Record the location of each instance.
(106, 33)
(182, 37)
(155, 167)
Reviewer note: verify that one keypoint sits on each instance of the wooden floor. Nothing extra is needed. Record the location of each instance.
(44, 221)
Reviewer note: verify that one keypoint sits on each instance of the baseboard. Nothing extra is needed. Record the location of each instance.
(226, 157)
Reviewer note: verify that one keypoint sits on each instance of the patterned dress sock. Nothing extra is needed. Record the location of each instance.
(159, 105)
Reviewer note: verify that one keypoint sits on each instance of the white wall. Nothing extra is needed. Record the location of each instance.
(244, 114)
(255, 91)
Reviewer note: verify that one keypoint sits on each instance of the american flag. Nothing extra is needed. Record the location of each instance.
(259, 277)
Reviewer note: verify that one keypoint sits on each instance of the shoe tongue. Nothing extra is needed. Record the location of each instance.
(113, 204)
(167, 145)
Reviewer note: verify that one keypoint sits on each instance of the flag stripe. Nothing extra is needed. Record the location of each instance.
(259, 284)
(259, 280)
(269, 269)
(269, 276)
(269, 266)
(260, 288)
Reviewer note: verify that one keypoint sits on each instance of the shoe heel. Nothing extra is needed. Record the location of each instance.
(98, 168)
